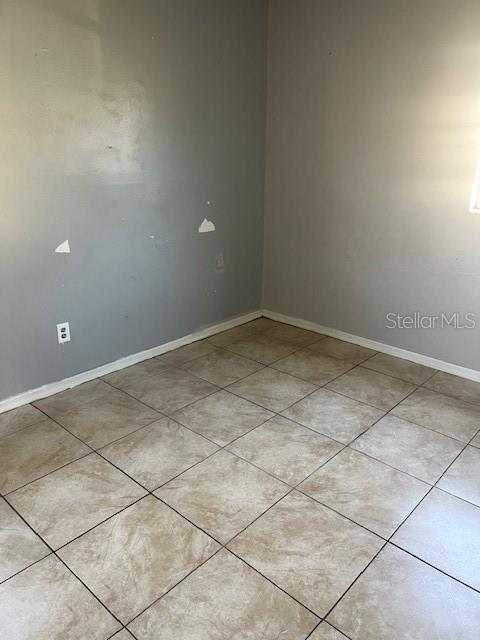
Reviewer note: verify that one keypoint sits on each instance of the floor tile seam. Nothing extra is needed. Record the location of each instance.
(42, 419)
(345, 395)
(337, 602)
(324, 621)
(432, 487)
(5, 495)
(154, 602)
(287, 494)
(396, 377)
(336, 357)
(345, 445)
(401, 470)
(388, 464)
(54, 553)
(83, 403)
(254, 568)
(342, 515)
(454, 495)
(348, 446)
(55, 420)
(389, 541)
(223, 387)
(423, 426)
(318, 387)
(31, 564)
(265, 364)
(97, 451)
(442, 571)
(383, 546)
(475, 405)
(162, 412)
(241, 532)
(349, 367)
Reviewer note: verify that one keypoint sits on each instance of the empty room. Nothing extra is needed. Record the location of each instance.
(239, 320)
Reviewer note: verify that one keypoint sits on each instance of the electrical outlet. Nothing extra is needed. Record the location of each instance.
(63, 332)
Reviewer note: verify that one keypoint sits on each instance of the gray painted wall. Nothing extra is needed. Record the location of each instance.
(373, 139)
(120, 120)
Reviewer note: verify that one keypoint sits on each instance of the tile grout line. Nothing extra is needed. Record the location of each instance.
(381, 548)
(224, 447)
(396, 530)
(54, 554)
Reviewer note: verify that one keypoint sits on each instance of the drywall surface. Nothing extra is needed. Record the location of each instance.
(373, 139)
(123, 125)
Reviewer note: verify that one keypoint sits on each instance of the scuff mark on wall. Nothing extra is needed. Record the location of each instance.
(63, 247)
(219, 263)
(206, 227)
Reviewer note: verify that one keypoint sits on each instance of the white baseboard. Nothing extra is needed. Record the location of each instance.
(448, 367)
(55, 387)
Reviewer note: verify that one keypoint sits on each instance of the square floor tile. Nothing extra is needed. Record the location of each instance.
(222, 367)
(170, 390)
(231, 335)
(19, 546)
(137, 372)
(326, 632)
(418, 451)
(180, 356)
(122, 635)
(19, 418)
(400, 598)
(463, 477)
(73, 398)
(68, 502)
(262, 348)
(399, 368)
(263, 324)
(450, 385)
(222, 495)
(135, 557)
(35, 451)
(157, 453)
(106, 419)
(222, 599)
(222, 417)
(272, 389)
(46, 602)
(307, 550)
(476, 441)
(371, 387)
(343, 350)
(318, 369)
(445, 531)
(285, 449)
(366, 491)
(295, 335)
(334, 415)
(446, 415)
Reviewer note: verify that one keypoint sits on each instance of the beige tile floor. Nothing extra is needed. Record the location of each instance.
(267, 483)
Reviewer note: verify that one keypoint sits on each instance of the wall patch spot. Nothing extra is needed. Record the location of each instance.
(219, 263)
(206, 226)
(63, 247)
